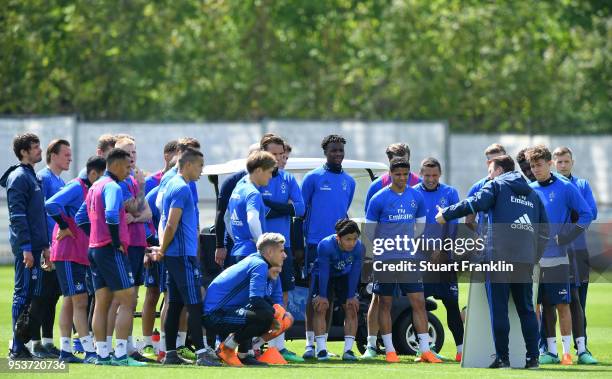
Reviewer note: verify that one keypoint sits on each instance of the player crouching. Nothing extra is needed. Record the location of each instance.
(243, 303)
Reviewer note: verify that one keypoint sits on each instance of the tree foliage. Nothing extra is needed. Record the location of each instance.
(511, 66)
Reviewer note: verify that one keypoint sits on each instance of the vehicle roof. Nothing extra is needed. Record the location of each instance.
(299, 165)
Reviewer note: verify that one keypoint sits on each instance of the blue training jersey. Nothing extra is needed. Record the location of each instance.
(327, 197)
(66, 201)
(152, 181)
(560, 197)
(51, 184)
(237, 284)
(443, 196)
(155, 214)
(178, 195)
(333, 262)
(396, 215)
(162, 188)
(282, 188)
(245, 198)
(587, 194)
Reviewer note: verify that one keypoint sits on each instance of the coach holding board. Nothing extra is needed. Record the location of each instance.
(518, 226)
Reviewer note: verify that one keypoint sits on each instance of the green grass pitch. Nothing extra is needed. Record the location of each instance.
(599, 311)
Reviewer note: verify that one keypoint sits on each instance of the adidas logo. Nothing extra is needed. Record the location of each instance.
(522, 223)
(235, 219)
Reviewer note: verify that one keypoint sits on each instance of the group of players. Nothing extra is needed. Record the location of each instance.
(99, 237)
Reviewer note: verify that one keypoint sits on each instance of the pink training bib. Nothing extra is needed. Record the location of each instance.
(73, 249)
(100, 235)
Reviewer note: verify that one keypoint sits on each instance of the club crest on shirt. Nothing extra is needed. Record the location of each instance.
(151, 280)
(78, 286)
(551, 196)
(283, 187)
(34, 273)
(131, 277)
(344, 185)
(443, 201)
(413, 204)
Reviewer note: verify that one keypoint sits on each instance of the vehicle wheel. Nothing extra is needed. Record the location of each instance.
(405, 338)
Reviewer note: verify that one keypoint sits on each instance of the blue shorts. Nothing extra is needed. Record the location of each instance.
(155, 276)
(287, 276)
(310, 255)
(412, 284)
(554, 285)
(89, 282)
(337, 288)
(184, 280)
(441, 291)
(71, 277)
(136, 258)
(110, 268)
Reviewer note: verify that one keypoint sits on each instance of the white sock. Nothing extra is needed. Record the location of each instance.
(321, 343)
(120, 348)
(460, 348)
(423, 342)
(348, 342)
(230, 342)
(309, 338)
(87, 344)
(102, 349)
(205, 341)
(180, 339)
(162, 341)
(388, 342)
(148, 340)
(372, 341)
(278, 342)
(109, 342)
(580, 345)
(258, 343)
(66, 344)
(130, 345)
(566, 341)
(552, 345)
(46, 341)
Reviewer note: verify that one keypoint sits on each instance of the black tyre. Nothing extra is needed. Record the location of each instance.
(405, 338)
